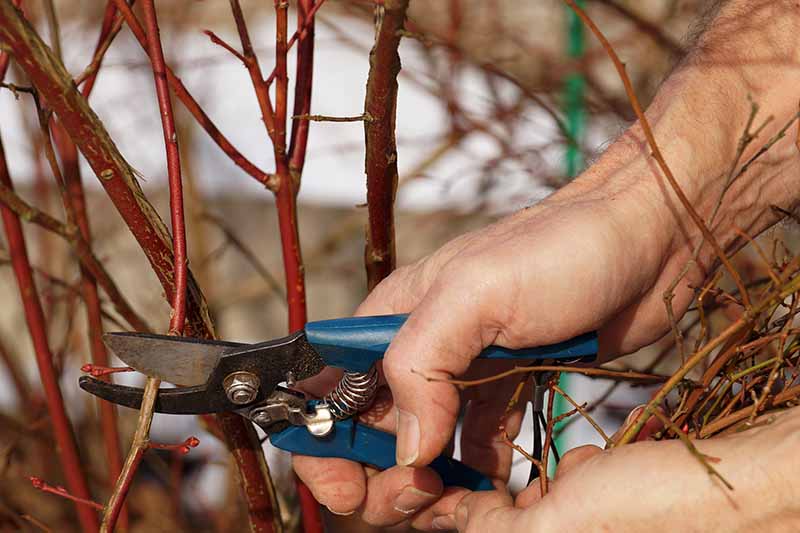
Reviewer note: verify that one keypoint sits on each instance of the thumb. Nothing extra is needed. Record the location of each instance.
(439, 340)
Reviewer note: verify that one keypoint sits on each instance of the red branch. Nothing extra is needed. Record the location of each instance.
(304, 74)
(156, 54)
(65, 440)
(304, 30)
(191, 104)
(286, 200)
(181, 270)
(380, 111)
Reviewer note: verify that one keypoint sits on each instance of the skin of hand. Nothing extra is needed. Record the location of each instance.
(657, 484)
(597, 254)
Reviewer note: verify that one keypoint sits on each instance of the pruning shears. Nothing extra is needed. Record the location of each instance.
(256, 380)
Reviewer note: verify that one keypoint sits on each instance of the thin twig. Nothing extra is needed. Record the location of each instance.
(325, 118)
(584, 414)
(627, 375)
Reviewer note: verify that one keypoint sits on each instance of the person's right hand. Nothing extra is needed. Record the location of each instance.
(596, 255)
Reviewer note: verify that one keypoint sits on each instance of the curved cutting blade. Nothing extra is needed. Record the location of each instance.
(179, 360)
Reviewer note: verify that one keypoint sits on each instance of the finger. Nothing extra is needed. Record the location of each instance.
(529, 496)
(398, 293)
(439, 339)
(532, 494)
(338, 484)
(576, 457)
(483, 446)
(442, 514)
(651, 426)
(486, 511)
(398, 493)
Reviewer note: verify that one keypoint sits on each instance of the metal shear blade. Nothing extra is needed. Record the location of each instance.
(160, 356)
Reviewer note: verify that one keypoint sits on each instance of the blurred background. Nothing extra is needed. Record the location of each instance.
(500, 103)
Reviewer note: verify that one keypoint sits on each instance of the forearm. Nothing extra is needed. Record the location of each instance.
(747, 53)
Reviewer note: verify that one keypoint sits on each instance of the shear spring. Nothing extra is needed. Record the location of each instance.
(353, 394)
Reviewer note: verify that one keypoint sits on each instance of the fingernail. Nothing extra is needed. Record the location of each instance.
(411, 499)
(634, 414)
(407, 438)
(348, 513)
(447, 521)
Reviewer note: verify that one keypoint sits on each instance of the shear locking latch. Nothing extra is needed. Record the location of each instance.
(285, 406)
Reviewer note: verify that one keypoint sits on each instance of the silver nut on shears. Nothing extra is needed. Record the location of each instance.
(241, 387)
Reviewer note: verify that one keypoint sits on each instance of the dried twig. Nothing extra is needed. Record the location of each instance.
(627, 375)
(584, 414)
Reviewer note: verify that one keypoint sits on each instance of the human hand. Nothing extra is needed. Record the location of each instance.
(546, 262)
(654, 486)
(598, 254)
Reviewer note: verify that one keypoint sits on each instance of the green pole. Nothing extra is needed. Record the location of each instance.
(575, 112)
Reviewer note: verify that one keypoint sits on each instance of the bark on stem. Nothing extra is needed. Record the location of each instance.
(62, 431)
(381, 147)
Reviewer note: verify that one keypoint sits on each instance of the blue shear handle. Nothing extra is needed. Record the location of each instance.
(356, 343)
(363, 444)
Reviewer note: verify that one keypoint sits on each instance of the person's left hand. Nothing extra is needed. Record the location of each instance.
(652, 486)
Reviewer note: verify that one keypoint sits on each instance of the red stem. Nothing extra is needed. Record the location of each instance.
(191, 104)
(40, 484)
(286, 196)
(381, 148)
(303, 86)
(181, 270)
(301, 34)
(156, 54)
(286, 200)
(107, 26)
(65, 440)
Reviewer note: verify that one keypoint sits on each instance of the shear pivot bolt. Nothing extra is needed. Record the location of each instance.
(241, 387)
